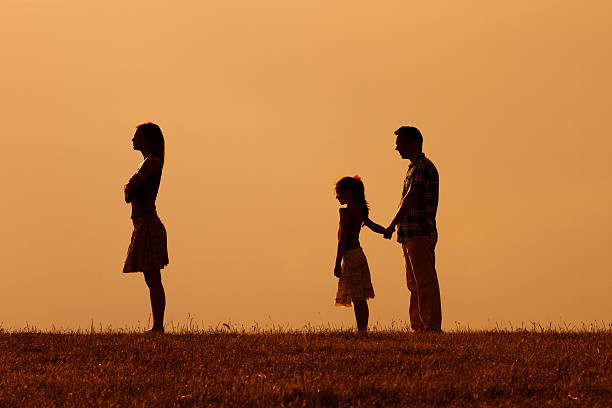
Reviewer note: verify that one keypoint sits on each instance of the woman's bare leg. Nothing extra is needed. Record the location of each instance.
(362, 314)
(158, 298)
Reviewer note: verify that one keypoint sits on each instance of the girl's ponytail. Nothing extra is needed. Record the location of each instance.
(363, 206)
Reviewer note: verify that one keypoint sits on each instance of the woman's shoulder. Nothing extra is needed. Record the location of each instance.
(153, 159)
(353, 212)
(152, 163)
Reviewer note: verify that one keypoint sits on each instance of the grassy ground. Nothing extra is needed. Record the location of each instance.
(335, 369)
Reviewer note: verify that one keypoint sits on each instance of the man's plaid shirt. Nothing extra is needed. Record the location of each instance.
(420, 220)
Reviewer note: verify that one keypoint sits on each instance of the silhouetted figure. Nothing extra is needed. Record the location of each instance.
(417, 232)
(354, 285)
(148, 252)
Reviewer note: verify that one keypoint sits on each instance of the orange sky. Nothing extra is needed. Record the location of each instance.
(264, 104)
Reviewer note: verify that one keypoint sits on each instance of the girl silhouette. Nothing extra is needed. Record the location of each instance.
(148, 252)
(351, 266)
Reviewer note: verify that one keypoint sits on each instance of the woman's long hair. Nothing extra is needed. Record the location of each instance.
(357, 189)
(155, 137)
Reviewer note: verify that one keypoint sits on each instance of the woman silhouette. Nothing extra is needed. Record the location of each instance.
(148, 252)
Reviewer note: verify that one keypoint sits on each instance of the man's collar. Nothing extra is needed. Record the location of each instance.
(416, 159)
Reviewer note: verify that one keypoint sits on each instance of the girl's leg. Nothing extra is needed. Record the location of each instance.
(158, 298)
(362, 314)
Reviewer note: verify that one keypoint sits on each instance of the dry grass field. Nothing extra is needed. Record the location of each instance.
(233, 368)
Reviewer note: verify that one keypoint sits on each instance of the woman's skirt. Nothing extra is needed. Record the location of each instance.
(355, 282)
(148, 247)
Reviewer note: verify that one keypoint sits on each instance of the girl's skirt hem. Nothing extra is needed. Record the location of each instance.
(350, 302)
(148, 249)
(355, 282)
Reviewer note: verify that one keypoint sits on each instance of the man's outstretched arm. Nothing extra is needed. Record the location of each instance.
(408, 201)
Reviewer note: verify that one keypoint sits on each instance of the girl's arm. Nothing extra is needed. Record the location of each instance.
(149, 166)
(342, 238)
(374, 226)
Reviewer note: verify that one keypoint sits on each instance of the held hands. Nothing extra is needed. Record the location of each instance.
(389, 232)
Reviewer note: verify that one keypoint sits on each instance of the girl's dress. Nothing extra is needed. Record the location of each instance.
(355, 282)
(148, 249)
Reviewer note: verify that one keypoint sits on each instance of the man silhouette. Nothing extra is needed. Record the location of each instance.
(416, 231)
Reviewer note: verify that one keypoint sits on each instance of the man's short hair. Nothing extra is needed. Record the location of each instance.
(410, 133)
